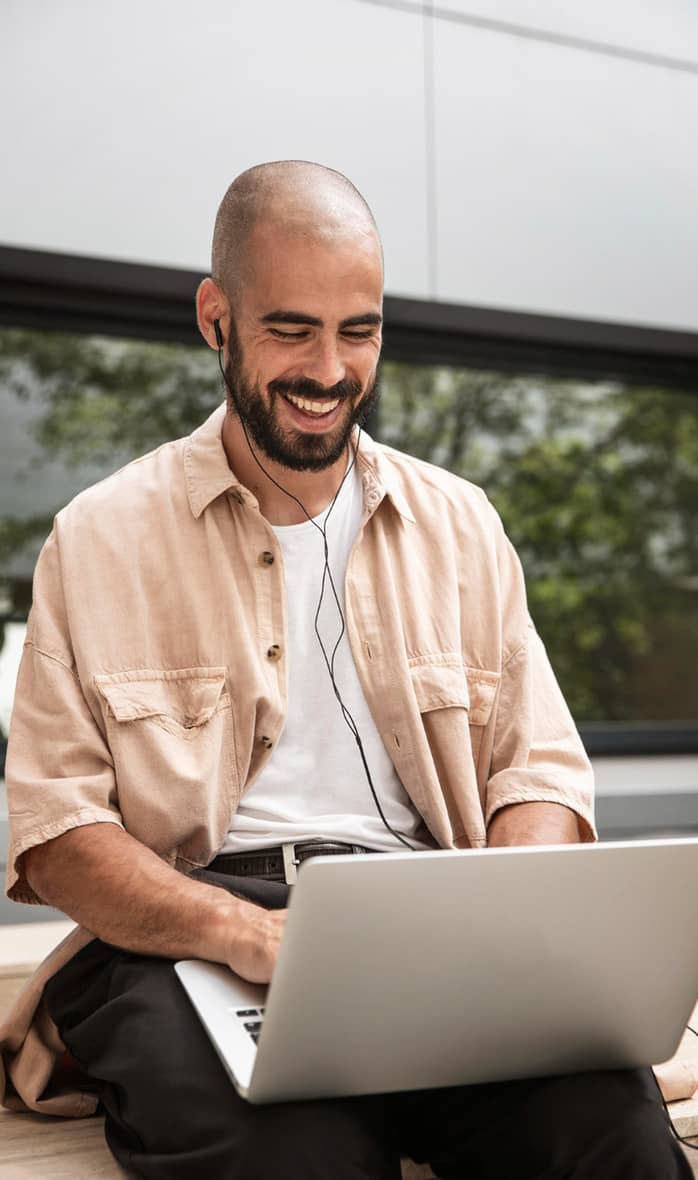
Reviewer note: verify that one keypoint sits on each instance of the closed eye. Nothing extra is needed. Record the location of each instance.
(349, 335)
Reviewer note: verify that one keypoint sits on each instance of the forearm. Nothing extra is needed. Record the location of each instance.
(533, 823)
(122, 892)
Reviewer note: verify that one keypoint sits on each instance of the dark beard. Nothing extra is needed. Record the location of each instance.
(296, 451)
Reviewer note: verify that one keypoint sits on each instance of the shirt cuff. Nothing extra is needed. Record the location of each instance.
(507, 788)
(17, 886)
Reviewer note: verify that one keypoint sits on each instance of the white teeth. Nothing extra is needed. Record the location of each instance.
(313, 407)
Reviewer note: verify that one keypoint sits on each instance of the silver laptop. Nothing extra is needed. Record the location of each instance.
(410, 971)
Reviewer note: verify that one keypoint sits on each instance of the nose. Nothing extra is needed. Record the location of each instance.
(325, 364)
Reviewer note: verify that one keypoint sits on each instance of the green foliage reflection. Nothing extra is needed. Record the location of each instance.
(597, 484)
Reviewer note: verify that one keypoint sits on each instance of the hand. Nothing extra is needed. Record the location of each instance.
(254, 942)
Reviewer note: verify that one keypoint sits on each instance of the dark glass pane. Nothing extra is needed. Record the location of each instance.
(597, 484)
(72, 410)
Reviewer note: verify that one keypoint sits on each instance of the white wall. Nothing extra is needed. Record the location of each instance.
(566, 181)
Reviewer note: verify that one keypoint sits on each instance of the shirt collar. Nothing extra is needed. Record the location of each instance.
(208, 475)
(206, 469)
(379, 477)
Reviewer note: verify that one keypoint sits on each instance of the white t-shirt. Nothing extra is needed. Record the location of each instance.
(314, 785)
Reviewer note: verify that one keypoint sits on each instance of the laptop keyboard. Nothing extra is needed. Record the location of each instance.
(252, 1019)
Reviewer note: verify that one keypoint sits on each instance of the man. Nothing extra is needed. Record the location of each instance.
(176, 723)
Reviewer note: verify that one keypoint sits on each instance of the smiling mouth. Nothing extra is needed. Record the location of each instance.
(312, 407)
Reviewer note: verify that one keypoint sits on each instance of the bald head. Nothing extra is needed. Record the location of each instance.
(301, 198)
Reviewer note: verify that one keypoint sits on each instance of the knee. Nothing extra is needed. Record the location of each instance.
(639, 1144)
(620, 1130)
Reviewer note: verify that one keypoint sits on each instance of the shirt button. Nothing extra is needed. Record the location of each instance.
(266, 558)
(266, 742)
(274, 652)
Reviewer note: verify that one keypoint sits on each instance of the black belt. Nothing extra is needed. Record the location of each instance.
(280, 863)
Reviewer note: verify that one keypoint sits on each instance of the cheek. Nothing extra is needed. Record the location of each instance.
(264, 364)
(370, 374)
(370, 361)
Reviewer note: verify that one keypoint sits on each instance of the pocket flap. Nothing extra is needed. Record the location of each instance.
(188, 695)
(443, 686)
(482, 687)
(439, 686)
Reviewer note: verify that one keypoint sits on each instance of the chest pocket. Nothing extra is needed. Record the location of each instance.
(183, 699)
(171, 737)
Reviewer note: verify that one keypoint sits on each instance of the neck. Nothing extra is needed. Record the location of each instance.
(314, 489)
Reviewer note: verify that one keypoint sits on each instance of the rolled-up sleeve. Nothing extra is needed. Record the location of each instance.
(59, 769)
(537, 753)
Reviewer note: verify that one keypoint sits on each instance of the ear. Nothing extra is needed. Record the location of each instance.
(211, 304)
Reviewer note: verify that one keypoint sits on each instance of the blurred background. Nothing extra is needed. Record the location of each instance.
(532, 168)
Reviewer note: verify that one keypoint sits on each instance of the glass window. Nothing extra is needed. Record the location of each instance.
(597, 484)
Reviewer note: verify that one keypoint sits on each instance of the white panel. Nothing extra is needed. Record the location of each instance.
(124, 122)
(664, 27)
(567, 182)
(647, 775)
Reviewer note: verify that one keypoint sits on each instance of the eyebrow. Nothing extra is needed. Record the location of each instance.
(281, 316)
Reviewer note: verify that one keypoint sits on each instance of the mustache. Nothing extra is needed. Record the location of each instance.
(312, 390)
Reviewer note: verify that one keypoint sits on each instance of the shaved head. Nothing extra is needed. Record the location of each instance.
(306, 200)
(294, 308)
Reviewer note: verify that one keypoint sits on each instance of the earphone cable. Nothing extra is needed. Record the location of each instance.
(681, 1138)
(329, 662)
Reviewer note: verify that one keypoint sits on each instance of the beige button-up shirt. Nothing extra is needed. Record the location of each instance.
(152, 688)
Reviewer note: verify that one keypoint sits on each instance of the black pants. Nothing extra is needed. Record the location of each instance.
(173, 1114)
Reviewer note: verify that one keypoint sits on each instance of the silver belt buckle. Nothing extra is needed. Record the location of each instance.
(290, 863)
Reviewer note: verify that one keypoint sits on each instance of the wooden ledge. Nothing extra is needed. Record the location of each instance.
(25, 945)
(39, 1147)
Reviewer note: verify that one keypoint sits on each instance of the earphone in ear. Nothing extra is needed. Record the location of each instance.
(219, 334)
